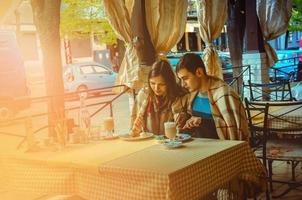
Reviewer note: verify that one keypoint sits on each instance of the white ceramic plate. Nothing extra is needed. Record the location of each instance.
(128, 137)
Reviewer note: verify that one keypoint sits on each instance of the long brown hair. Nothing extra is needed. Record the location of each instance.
(163, 68)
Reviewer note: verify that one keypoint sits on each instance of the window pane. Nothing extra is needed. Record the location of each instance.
(100, 70)
(87, 70)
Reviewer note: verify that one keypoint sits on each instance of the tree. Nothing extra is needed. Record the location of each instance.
(47, 19)
(86, 19)
(295, 23)
(81, 18)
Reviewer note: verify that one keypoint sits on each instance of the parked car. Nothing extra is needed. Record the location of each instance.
(14, 93)
(286, 67)
(224, 58)
(90, 75)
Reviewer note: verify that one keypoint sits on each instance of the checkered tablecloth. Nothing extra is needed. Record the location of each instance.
(136, 170)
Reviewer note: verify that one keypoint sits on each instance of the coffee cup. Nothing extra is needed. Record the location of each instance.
(170, 129)
(108, 125)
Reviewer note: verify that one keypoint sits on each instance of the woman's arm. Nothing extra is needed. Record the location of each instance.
(138, 111)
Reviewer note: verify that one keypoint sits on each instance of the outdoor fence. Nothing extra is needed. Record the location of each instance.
(87, 99)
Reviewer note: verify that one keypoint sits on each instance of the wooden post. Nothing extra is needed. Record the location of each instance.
(235, 29)
(253, 34)
(255, 55)
(142, 41)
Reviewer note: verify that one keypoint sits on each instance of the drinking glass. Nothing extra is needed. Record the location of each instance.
(170, 130)
(108, 124)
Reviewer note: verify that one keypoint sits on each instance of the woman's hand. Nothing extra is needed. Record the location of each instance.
(192, 122)
(137, 126)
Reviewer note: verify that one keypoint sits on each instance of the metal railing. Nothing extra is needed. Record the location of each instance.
(67, 96)
(235, 80)
(281, 73)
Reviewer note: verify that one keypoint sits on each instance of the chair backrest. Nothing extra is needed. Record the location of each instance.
(285, 117)
(281, 117)
(277, 91)
(267, 120)
(257, 119)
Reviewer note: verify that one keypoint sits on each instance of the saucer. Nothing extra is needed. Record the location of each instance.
(173, 144)
(181, 137)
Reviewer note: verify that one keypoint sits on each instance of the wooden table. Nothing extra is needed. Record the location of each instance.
(134, 170)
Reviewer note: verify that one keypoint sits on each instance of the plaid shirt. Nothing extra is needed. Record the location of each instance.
(227, 109)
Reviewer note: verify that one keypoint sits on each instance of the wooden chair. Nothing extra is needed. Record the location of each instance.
(277, 136)
(277, 91)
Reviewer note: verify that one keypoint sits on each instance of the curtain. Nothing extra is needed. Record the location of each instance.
(118, 13)
(166, 21)
(211, 16)
(273, 17)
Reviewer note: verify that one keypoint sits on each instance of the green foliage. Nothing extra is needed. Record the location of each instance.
(297, 5)
(295, 23)
(81, 18)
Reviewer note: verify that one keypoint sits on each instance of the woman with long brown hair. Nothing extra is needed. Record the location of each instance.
(153, 104)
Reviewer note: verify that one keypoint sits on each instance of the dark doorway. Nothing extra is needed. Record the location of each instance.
(193, 43)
